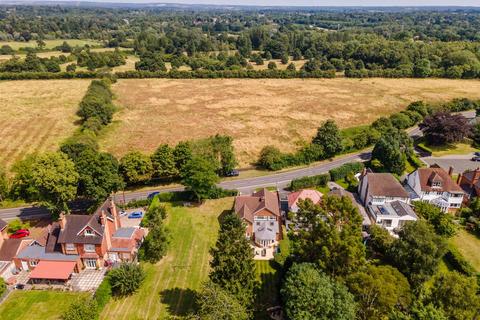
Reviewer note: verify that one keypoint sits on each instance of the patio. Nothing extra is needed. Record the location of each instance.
(87, 280)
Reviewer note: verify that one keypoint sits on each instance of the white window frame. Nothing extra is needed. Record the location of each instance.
(70, 246)
(89, 232)
(87, 245)
(33, 263)
(89, 263)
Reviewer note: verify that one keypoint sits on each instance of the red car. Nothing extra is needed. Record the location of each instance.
(20, 234)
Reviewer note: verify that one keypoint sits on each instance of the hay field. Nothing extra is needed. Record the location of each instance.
(259, 112)
(36, 115)
(49, 44)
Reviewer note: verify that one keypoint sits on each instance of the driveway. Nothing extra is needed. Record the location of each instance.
(460, 163)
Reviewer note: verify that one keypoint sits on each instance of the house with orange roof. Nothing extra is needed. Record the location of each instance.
(294, 198)
(261, 214)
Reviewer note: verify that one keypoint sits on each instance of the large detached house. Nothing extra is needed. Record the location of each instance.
(469, 181)
(385, 199)
(261, 214)
(380, 188)
(435, 185)
(294, 198)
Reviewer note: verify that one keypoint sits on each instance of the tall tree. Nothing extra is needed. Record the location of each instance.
(156, 243)
(311, 295)
(50, 178)
(199, 177)
(388, 152)
(328, 136)
(136, 167)
(216, 303)
(4, 185)
(442, 223)
(98, 174)
(163, 162)
(330, 235)
(417, 252)
(456, 295)
(443, 128)
(126, 279)
(232, 262)
(379, 291)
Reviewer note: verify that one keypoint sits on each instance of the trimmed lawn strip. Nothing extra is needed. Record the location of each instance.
(469, 246)
(268, 276)
(35, 304)
(171, 284)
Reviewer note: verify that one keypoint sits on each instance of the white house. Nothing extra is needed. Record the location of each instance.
(380, 188)
(435, 185)
(392, 215)
(385, 199)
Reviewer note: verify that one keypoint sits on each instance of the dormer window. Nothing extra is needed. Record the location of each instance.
(437, 184)
(88, 232)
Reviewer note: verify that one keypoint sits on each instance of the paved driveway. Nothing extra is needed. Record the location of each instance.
(460, 163)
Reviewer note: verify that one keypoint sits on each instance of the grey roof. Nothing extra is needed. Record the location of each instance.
(38, 252)
(265, 230)
(124, 232)
(393, 209)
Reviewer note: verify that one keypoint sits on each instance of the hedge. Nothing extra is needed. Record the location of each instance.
(49, 75)
(103, 293)
(343, 171)
(423, 147)
(309, 182)
(456, 260)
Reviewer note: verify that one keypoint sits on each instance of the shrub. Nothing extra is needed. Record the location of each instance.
(81, 309)
(343, 171)
(126, 279)
(309, 182)
(3, 286)
(456, 260)
(423, 147)
(271, 158)
(103, 293)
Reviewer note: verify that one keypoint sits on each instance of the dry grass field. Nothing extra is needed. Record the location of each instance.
(36, 115)
(259, 112)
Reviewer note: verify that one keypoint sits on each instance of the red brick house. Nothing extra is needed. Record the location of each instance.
(469, 181)
(261, 214)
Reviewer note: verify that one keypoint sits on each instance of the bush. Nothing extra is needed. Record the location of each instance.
(343, 171)
(3, 286)
(126, 279)
(135, 204)
(271, 158)
(456, 260)
(82, 309)
(424, 148)
(310, 182)
(103, 294)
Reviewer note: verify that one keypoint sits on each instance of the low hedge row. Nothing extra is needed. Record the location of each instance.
(424, 148)
(49, 75)
(456, 260)
(309, 182)
(343, 171)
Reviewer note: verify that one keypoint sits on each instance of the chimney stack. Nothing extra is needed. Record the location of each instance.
(62, 220)
(450, 171)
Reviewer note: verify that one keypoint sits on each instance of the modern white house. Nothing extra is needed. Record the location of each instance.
(380, 188)
(385, 199)
(436, 186)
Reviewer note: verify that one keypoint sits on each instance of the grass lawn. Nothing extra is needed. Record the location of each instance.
(268, 296)
(32, 305)
(469, 246)
(459, 148)
(171, 284)
(50, 44)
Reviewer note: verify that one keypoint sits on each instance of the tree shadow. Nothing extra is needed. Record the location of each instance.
(222, 215)
(180, 302)
(268, 292)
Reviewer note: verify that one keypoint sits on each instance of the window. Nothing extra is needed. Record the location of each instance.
(89, 247)
(88, 232)
(33, 263)
(387, 223)
(90, 263)
(70, 247)
(436, 184)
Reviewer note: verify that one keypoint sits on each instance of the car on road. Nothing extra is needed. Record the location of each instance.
(477, 154)
(233, 173)
(152, 195)
(135, 215)
(476, 158)
(22, 233)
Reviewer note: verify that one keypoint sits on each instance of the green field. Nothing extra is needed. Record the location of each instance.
(469, 246)
(170, 286)
(50, 44)
(33, 305)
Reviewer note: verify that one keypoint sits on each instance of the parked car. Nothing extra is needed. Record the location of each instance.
(22, 233)
(152, 195)
(477, 154)
(476, 158)
(123, 213)
(233, 173)
(135, 215)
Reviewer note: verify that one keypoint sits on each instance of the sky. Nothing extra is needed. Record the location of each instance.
(308, 2)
